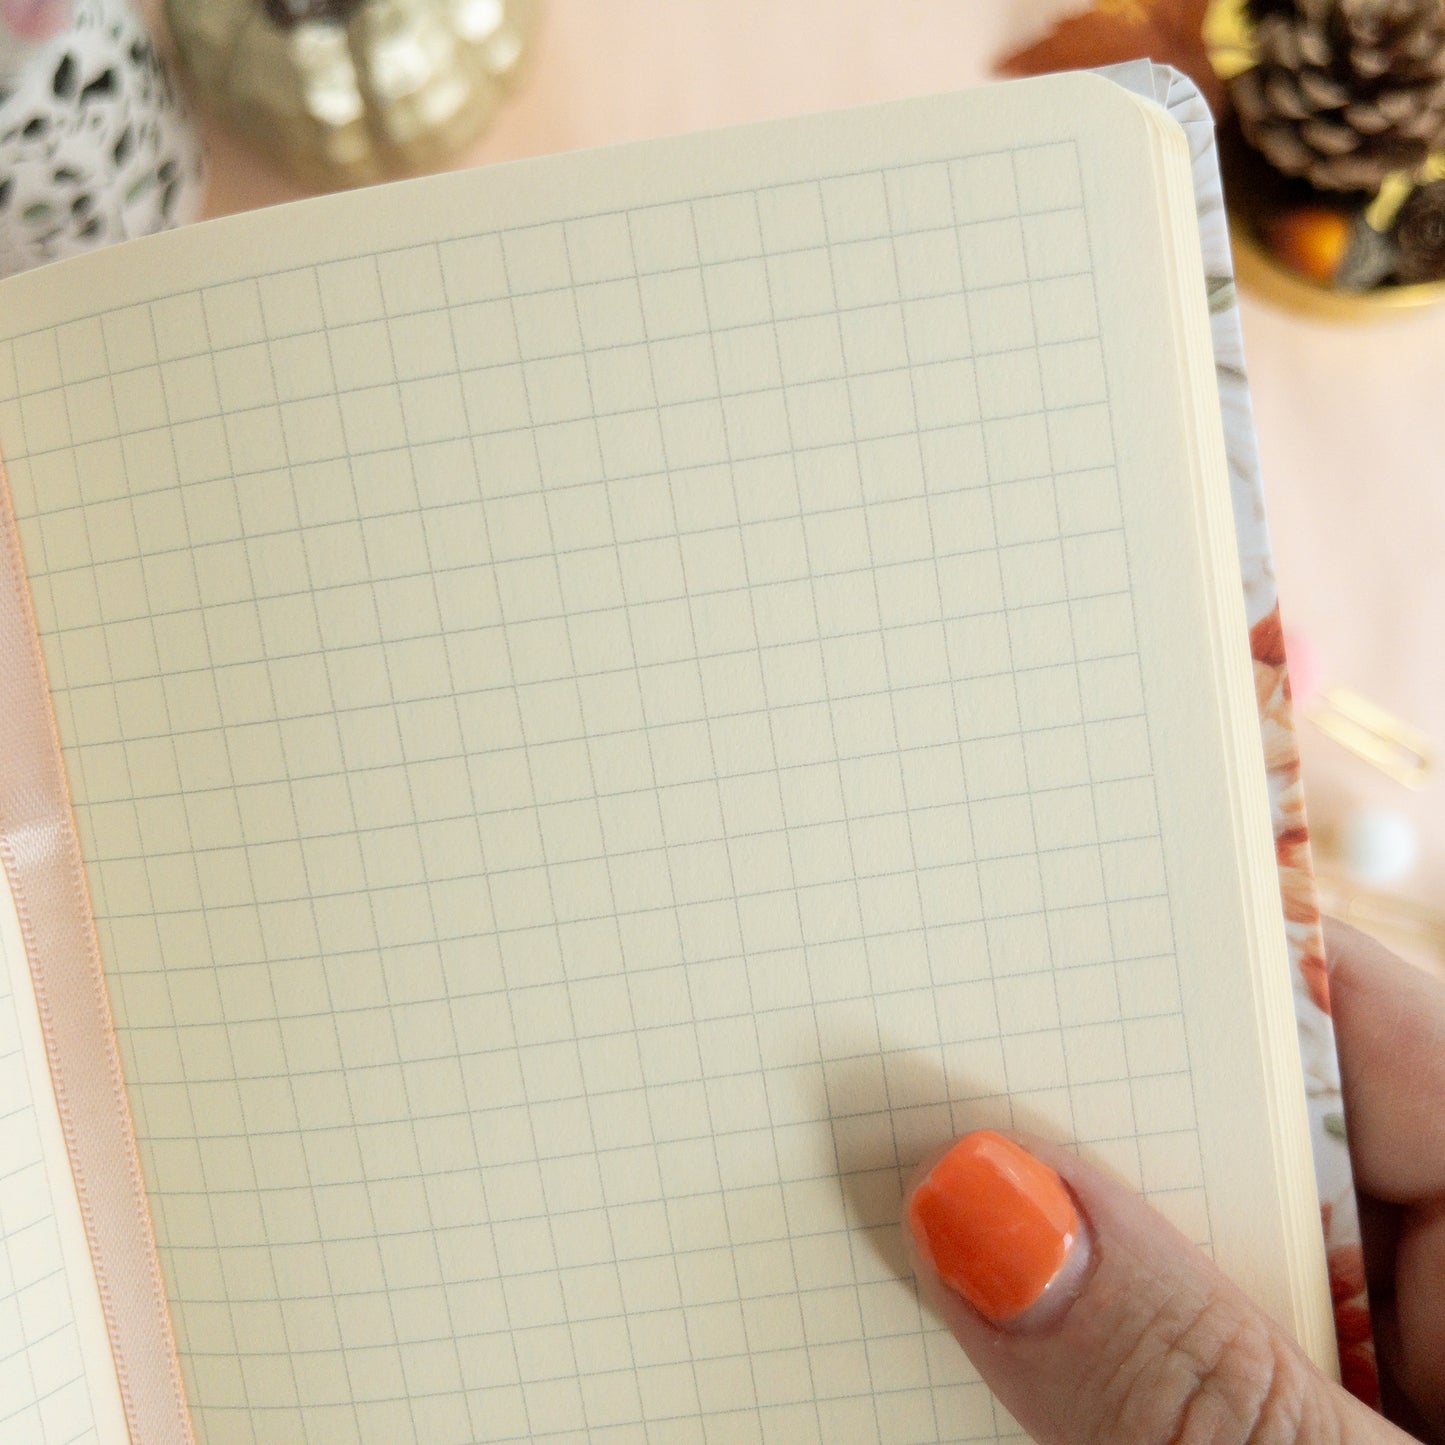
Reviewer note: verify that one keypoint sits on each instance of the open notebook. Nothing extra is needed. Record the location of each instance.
(611, 704)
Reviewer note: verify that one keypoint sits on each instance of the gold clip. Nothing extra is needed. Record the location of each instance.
(1399, 750)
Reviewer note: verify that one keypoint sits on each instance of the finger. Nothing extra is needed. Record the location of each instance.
(1390, 1029)
(1419, 1317)
(1135, 1338)
(1380, 1238)
(1393, 1400)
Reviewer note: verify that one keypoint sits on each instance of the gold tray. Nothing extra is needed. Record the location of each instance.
(1258, 273)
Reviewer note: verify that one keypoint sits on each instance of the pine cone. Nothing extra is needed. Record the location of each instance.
(1345, 91)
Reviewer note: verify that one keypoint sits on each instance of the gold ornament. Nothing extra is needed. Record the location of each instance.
(347, 92)
(1229, 37)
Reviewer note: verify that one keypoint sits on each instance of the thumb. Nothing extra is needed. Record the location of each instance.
(1096, 1323)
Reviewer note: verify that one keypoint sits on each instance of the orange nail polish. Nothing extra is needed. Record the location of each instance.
(996, 1223)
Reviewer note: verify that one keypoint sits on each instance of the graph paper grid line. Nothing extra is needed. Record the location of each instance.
(663, 782)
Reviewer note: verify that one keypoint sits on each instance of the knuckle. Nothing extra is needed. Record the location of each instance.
(1246, 1393)
(1212, 1375)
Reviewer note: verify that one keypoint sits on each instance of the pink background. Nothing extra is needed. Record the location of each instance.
(1351, 418)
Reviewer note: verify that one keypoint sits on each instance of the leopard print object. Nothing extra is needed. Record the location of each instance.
(95, 142)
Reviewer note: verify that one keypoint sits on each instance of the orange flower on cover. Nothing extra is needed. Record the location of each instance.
(1287, 804)
(1358, 1371)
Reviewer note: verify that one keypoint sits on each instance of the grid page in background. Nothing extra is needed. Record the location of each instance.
(597, 746)
(50, 1314)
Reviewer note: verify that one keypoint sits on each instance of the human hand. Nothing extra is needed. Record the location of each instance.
(1115, 1331)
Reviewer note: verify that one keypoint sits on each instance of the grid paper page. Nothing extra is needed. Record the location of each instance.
(50, 1315)
(597, 745)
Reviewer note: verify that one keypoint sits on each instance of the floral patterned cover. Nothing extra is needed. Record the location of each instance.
(1340, 1217)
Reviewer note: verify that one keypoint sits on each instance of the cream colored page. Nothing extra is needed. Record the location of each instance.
(57, 1380)
(613, 705)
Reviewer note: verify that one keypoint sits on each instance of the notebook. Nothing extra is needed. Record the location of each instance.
(570, 722)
